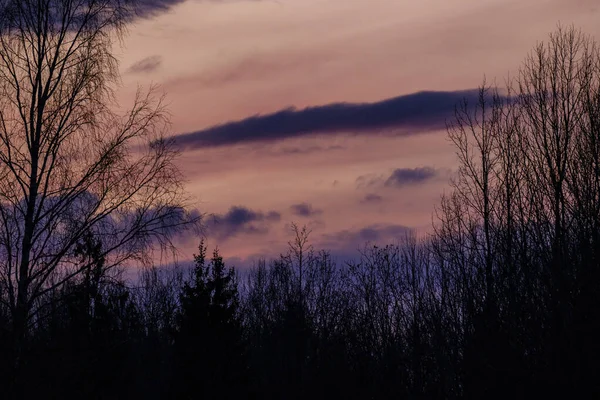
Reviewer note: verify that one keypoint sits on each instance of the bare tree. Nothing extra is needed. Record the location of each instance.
(522, 225)
(70, 165)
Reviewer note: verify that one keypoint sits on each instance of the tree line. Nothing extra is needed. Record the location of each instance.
(500, 300)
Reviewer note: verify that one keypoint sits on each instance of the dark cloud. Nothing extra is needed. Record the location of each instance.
(97, 13)
(148, 64)
(150, 8)
(410, 176)
(413, 113)
(400, 177)
(372, 198)
(304, 210)
(240, 219)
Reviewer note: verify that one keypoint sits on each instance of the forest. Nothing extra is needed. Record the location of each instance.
(500, 300)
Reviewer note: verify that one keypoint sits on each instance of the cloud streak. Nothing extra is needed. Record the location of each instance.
(146, 65)
(414, 113)
(371, 198)
(410, 176)
(399, 178)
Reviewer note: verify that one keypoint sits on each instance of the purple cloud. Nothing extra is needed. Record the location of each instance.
(410, 176)
(241, 220)
(414, 113)
(304, 210)
(400, 177)
(150, 8)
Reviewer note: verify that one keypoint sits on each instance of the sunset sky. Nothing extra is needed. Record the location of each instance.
(310, 110)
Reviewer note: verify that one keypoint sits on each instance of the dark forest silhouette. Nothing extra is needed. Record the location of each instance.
(502, 300)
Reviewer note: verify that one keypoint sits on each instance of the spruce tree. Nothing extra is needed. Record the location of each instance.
(210, 350)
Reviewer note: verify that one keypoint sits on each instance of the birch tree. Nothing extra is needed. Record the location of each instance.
(72, 169)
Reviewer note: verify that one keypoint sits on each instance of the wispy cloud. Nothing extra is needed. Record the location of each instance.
(146, 65)
(371, 198)
(308, 149)
(304, 210)
(413, 113)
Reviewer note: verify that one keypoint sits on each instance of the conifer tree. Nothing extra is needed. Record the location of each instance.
(210, 350)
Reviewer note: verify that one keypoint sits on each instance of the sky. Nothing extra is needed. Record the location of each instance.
(326, 113)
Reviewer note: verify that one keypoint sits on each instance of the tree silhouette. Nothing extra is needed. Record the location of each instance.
(501, 300)
(519, 233)
(71, 166)
(209, 347)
